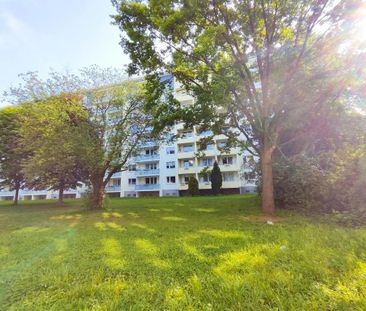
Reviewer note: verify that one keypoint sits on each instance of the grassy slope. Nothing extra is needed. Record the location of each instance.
(176, 253)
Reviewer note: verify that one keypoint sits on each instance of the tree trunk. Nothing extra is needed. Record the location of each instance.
(61, 195)
(16, 197)
(268, 205)
(97, 193)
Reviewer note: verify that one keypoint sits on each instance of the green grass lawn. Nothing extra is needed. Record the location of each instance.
(204, 253)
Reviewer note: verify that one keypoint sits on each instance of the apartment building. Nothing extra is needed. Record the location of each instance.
(163, 169)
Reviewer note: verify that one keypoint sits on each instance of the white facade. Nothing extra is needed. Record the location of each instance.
(164, 170)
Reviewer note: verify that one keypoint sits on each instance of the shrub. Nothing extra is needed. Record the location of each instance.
(193, 186)
(299, 183)
(216, 179)
(333, 183)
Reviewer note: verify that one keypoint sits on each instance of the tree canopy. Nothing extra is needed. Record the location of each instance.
(261, 66)
(98, 116)
(11, 153)
(50, 131)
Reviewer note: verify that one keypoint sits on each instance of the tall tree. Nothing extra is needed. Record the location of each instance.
(12, 155)
(268, 64)
(116, 122)
(51, 133)
(119, 126)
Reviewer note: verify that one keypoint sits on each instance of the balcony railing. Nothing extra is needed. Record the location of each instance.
(148, 144)
(113, 188)
(152, 172)
(186, 167)
(35, 192)
(117, 175)
(147, 157)
(7, 193)
(148, 187)
(68, 191)
(186, 151)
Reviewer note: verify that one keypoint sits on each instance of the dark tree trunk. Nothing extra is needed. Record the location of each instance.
(61, 195)
(97, 193)
(16, 197)
(268, 205)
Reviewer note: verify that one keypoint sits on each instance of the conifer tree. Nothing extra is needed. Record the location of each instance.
(193, 186)
(216, 179)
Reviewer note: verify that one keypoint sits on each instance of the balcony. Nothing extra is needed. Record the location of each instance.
(7, 193)
(207, 133)
(153, 172)
(70, 191)
(205, 185)
(185, 155)
(185, 139)
(251, 182)
(115, 188)
(147, 187)
(149, 144)
(147, 158)
(183, 186)
(231, 184)
(208, 152)
(187, 170)
(33, 192)
(229, 167)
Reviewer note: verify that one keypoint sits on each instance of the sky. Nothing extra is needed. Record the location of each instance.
(36, 35)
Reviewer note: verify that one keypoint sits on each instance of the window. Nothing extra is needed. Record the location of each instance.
(208, 146)
(187, 148)
(228, 177)
(207, 162)
(151, 180)
(170, 164)
(170, 150)
(206, 133)
(132, 181)
(227, 160)
(151, 166)
(250, 175)
(186, 180)
(132, 167)
(170, 179)
(205, 178)
(186, 134)
(187, 163)
(114, 183)
(151, 151)
(222, 144)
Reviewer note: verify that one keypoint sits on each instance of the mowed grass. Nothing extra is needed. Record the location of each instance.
(204, 253)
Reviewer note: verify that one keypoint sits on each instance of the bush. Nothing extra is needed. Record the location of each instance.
(334, 183)
(193, 186)
(299, 183)
(216, 179)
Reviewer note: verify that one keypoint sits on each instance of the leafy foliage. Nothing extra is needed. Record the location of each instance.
(262, 66)
(11, 153)
(216, 179)
(324, 171)
(111, 127)
(51, 133)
